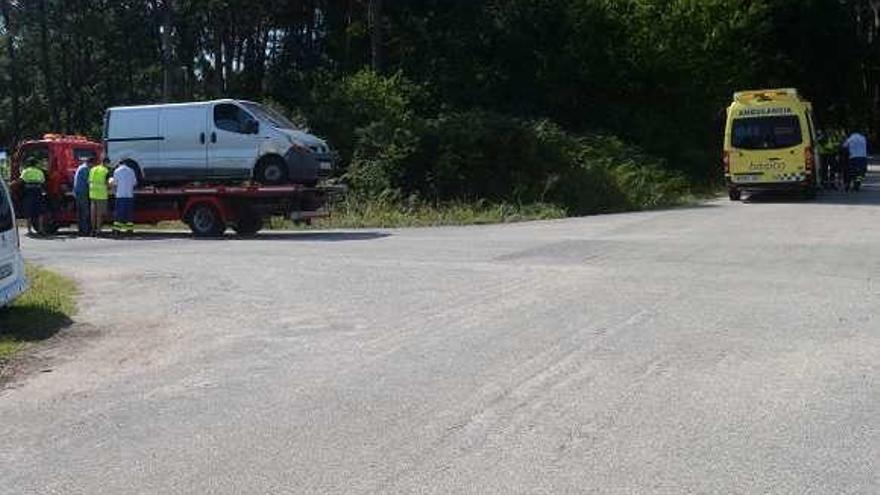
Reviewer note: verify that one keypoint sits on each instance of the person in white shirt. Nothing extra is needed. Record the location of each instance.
(123, 182)
(856, 146)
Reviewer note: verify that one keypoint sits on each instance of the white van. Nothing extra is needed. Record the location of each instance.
(214, 140)
(12, 279)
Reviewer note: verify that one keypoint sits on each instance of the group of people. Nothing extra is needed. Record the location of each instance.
(92, 184)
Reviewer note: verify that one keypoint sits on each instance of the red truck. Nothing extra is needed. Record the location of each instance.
(208, 208)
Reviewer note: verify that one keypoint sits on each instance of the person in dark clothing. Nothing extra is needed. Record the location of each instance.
(81, 194)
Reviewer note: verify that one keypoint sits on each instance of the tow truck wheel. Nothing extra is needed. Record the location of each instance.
(271, 171)
(734, 194)
(248, 225)
(205, 221)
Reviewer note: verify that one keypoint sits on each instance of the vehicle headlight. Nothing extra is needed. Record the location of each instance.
(298, 146)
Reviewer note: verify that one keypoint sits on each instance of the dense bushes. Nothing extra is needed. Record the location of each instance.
(394, 148)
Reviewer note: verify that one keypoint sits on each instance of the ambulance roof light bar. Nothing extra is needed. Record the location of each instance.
(765, 95)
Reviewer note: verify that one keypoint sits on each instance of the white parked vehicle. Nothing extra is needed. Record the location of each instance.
(214, 140)
(12, 278)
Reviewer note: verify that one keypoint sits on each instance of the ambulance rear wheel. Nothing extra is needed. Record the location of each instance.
(205, 221)
(734, 194)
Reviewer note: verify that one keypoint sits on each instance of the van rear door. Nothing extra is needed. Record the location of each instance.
(184, 147)
(767, 149)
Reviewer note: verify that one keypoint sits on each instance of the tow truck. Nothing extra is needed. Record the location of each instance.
(207, 208)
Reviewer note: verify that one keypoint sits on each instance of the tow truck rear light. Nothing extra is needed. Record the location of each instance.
(726, 161)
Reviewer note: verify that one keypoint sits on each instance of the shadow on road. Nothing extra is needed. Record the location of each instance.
(163, 235)
(31, 322)
(263, 236)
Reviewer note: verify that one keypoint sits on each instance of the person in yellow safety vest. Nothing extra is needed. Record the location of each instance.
(98, 194)
(33, 179)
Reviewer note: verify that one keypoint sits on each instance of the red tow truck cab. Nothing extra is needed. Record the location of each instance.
(208, 208)
(63, 154)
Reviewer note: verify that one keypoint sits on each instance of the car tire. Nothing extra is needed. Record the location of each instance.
(205, 221)
(271, 171)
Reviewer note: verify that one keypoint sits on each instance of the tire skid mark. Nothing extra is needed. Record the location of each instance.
(512, 409)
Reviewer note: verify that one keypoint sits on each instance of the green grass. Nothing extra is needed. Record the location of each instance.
(354, 213)
(39, 313)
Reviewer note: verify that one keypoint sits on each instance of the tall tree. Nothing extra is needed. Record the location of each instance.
(6, 12)
(46, 64)
(376, 38)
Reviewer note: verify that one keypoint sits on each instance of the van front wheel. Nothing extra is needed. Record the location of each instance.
(271, 171)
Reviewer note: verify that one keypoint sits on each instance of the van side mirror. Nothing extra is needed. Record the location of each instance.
(251, 127)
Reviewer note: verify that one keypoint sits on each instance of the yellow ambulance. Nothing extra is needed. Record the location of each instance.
(770, 143)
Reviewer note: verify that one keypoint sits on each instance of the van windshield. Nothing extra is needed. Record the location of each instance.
(767, 133)
(6, 220)
(269, 115)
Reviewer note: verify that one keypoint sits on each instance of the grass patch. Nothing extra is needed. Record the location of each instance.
(352, 213)
(39, 313)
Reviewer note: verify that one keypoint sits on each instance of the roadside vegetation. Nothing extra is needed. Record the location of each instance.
(452, 112)
(40, 313)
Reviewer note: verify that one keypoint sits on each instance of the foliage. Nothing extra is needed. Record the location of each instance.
(357, 212)
(507, 100)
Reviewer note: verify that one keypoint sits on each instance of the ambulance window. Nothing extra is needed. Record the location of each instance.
(767, 132)
(80, 154)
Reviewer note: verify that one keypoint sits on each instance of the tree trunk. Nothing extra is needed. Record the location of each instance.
(375, 15)
(13, 71)
(167, 6)
(47, 67)
(218, 59)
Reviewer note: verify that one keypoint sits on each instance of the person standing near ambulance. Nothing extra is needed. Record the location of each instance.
(124, 182)
(856, 146)
(81, 194)
(98, 194)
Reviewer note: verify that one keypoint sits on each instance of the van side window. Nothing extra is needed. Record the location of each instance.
(231, 118)
(5, 211)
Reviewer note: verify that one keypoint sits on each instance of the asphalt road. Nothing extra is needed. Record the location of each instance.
(726, 348)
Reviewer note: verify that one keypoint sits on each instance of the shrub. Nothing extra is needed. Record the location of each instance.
(340, 108)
